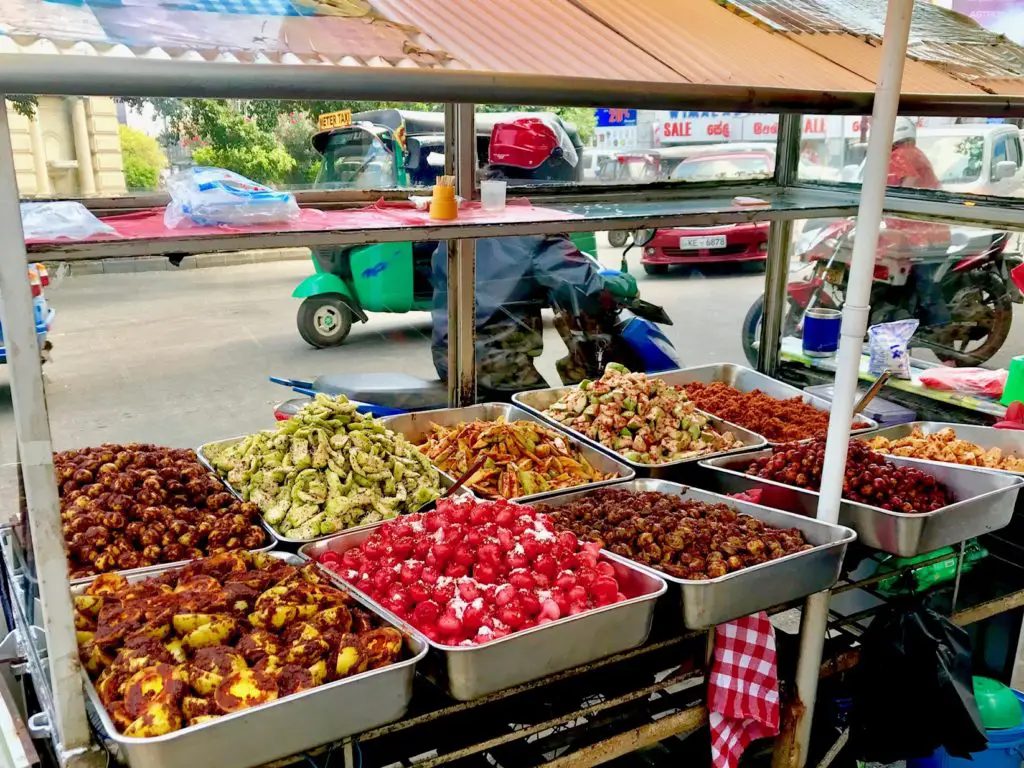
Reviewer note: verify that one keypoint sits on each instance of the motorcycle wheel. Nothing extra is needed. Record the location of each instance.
(324, 321)
(751, 329)
(988, 294)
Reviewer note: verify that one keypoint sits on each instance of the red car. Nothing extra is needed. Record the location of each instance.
(746, 242)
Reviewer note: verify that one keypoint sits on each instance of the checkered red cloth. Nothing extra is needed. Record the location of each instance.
(743, 693)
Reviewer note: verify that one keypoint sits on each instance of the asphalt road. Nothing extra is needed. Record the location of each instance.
(180, 358)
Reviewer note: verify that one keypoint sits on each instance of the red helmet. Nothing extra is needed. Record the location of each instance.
(528, 142)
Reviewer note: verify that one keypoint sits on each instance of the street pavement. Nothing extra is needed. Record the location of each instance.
(179, 358)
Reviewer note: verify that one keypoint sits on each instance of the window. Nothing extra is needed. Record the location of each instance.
(957, 158)
(999, 150)
(725, 167)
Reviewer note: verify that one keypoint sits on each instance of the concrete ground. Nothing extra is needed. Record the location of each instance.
(182, 357)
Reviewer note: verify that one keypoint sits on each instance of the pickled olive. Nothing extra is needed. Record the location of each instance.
(684, 538)
(120, 512)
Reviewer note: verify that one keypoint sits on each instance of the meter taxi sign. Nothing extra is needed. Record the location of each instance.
(340, 119)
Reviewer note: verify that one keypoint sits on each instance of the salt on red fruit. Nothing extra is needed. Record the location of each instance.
(470, 573)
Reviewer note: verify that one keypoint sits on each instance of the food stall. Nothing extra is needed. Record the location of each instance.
(609, 675)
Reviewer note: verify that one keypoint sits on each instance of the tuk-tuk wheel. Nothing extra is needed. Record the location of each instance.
(324, 321)
(617, 238)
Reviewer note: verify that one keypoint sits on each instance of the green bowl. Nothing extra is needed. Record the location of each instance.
(997, 704)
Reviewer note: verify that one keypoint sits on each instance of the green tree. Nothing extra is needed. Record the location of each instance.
(295, 131)
(234, 140)
(142, 159)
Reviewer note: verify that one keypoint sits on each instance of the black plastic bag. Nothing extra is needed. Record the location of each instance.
(913, 690)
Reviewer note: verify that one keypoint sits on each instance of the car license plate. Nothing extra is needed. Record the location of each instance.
(835, 275)
(704, 241)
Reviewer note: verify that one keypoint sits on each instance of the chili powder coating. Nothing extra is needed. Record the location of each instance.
(780, 421)
(686, 539)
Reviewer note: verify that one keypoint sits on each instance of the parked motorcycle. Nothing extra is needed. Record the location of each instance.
(972, 276)
(627, 333)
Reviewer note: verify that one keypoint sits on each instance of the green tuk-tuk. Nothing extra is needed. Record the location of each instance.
(379, 150)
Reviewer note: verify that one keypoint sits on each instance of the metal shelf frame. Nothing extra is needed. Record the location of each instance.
(657, 206)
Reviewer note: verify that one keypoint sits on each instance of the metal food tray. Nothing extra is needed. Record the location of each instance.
(531, 654)
(538, 401)
(446, 482)
(747, 380)
(751, 589)
(414, 426)
(984, 502)
(287, 726)
(1009, 441)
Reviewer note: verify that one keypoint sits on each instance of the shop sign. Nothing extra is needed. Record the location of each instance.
(615, 118)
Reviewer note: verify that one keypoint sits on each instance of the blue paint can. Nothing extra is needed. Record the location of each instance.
(821, 332)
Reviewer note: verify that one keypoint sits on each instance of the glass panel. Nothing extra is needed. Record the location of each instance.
(974, 157)
(953, 285)
(628, 146)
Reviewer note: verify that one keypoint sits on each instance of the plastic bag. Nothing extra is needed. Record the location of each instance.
(889, 348)
(65, 219)
(978, 381)
(214, 196)
(913, 690)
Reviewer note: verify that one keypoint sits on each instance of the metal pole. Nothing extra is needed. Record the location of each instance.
(33, 434)
(791, 748)
(780, 243)
(460, 156)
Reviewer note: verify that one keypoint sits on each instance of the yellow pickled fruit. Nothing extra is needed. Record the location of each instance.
(109, 687)
(274, 618)
(337, 617)
(156, 631)
(84, 621)
(189, 622)
(159, 718)
(348, 661)
(319, 672)
(307, 652)
(241, 690)
(89, 604)
(107, 584)
(201, 719)
(203, 681)
(84, 637)
(216, 632)
(94, 658)
(193, 707)
(176, 650)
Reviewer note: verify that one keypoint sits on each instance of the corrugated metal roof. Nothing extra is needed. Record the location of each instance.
(1002, 86)
(163, 31)
(865, 58)
(709, 44)
(547, 37)
(939, 37)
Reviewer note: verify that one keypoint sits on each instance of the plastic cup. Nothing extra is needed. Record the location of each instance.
(1014, 389)
(492, 195)
(821, 332)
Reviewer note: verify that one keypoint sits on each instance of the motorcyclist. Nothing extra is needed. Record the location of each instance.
(910, 167)
(517, 276)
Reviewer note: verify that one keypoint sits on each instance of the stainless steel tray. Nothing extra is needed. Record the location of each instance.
(534, 653)
(747, 380)
(741, 593)
(1009, 441)
(539, 400)
(446, 482)
(984, 502)
(416, 425)
(130, 572)
(288, 726)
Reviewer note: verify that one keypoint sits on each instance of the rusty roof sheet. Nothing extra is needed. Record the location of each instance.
(1002, 86)
(552, 37)
(709, 44)
(865, 58)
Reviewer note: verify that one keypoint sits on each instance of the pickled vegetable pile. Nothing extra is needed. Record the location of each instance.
(684, 538)
(944, 445)
(131, 506)
(218, 636)
(326, 469)
(780, 421)
(522, 457)
(471, 572)
(644, 419)
(869, 479)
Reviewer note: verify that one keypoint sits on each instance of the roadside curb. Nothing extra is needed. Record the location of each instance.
(161, 264)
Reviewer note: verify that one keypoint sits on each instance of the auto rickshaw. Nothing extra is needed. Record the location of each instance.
(379, 150)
